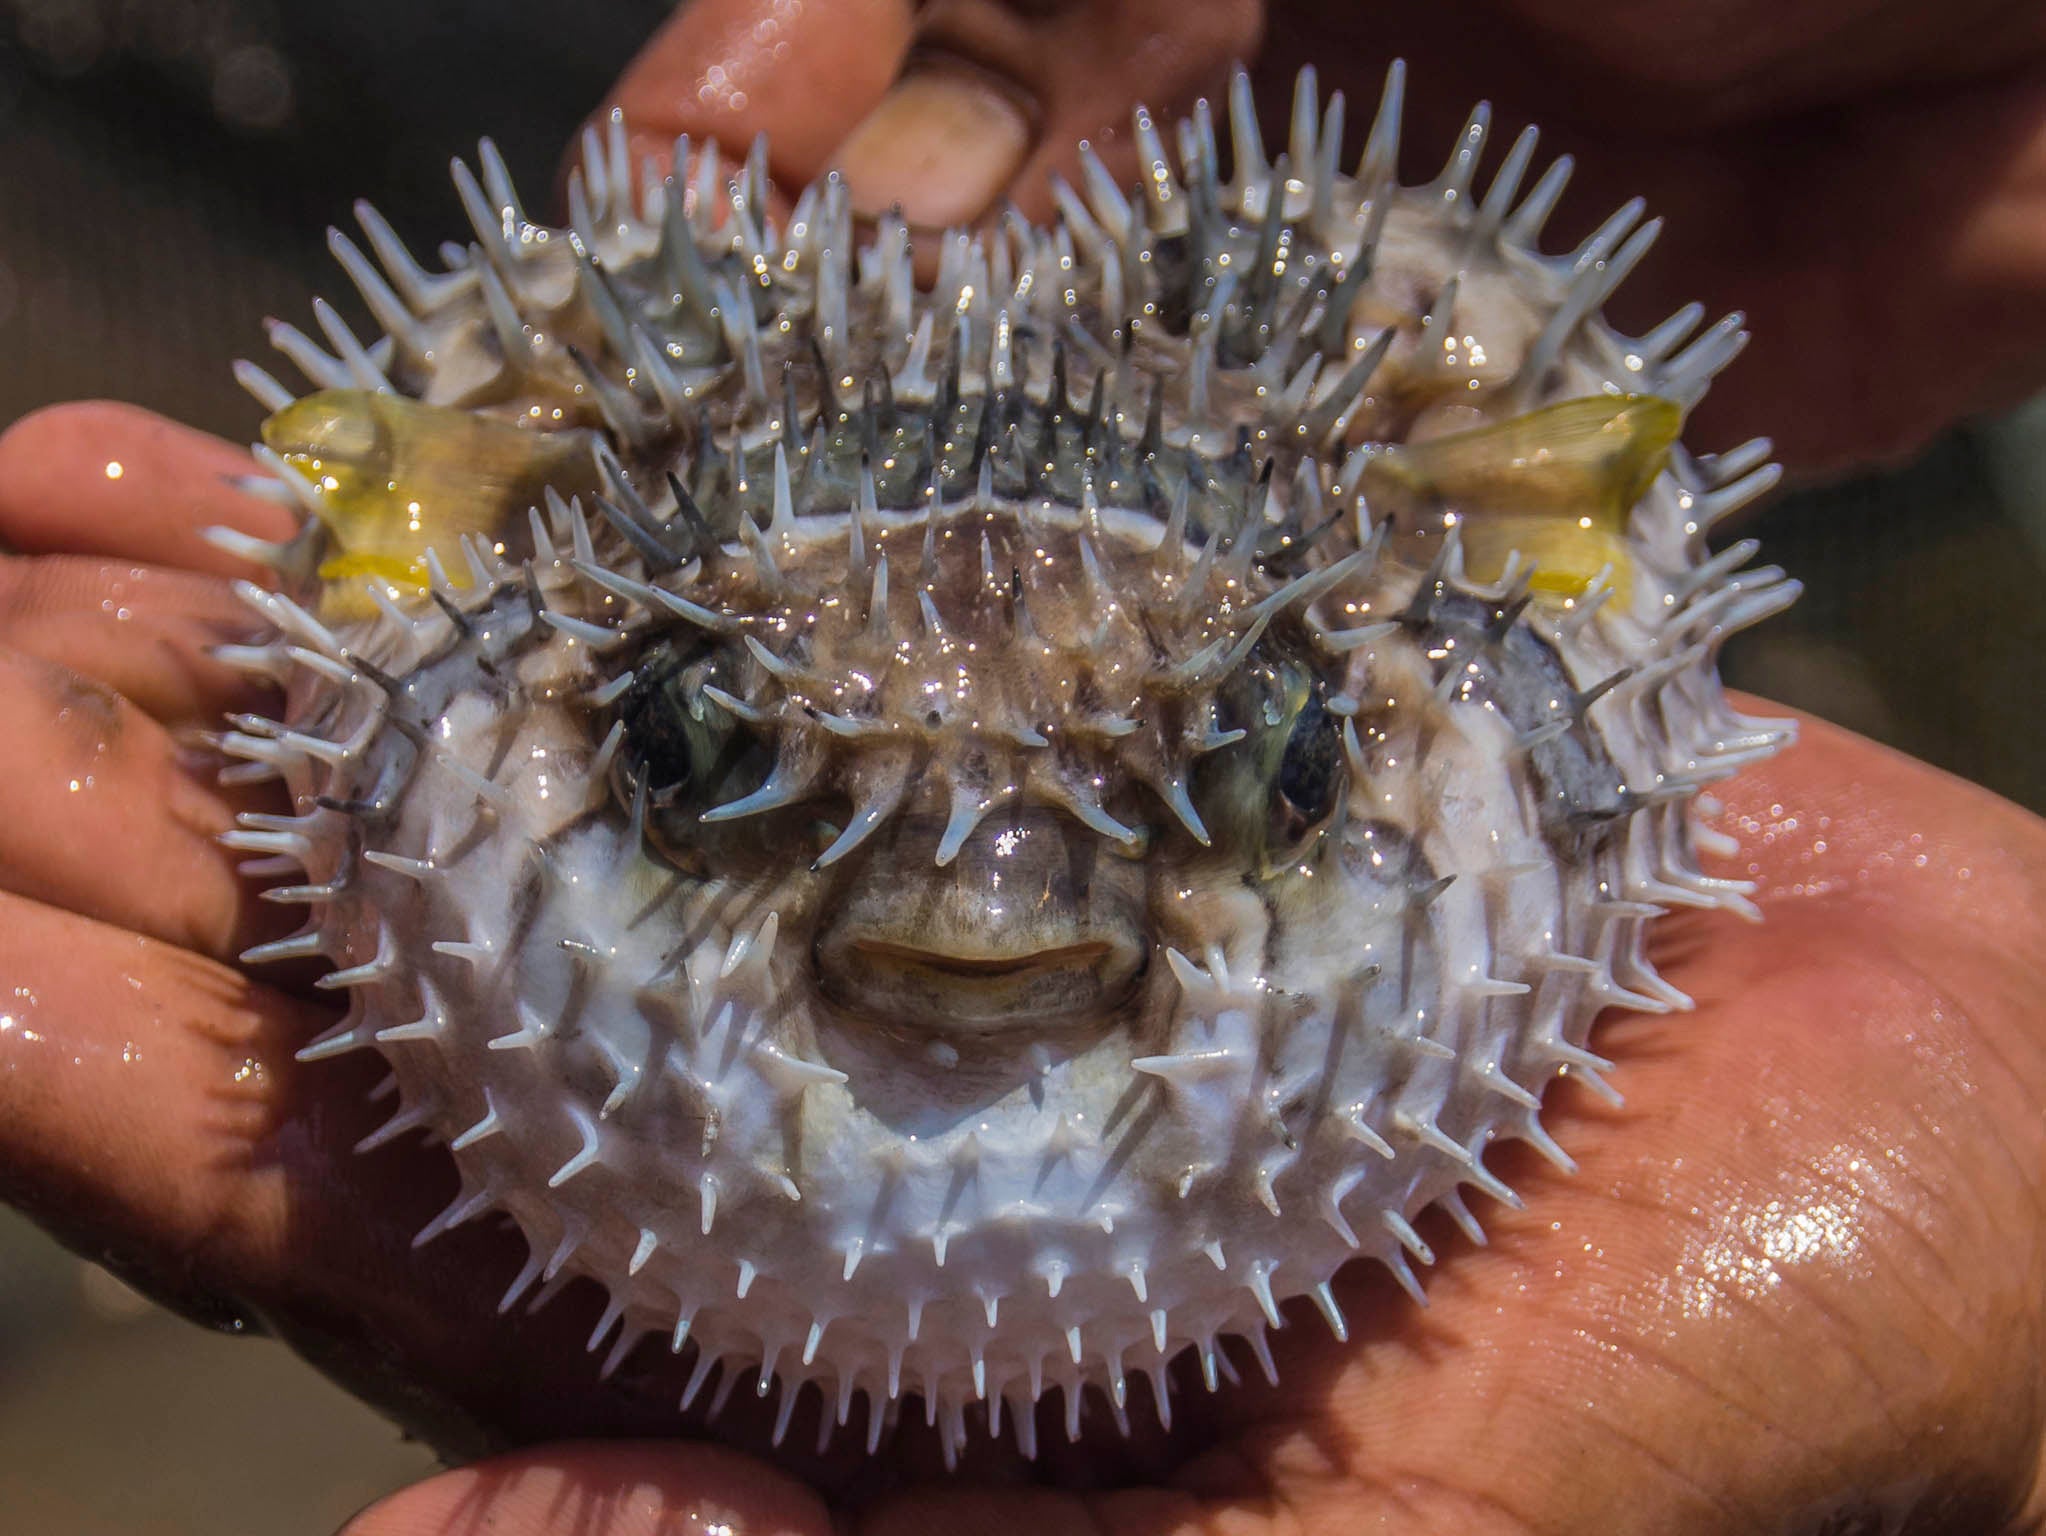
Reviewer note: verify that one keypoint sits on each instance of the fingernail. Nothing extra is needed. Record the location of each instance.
(942, 145)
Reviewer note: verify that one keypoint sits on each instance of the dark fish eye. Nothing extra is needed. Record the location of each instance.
(1310, 768)
(665, 720)
(688, 748)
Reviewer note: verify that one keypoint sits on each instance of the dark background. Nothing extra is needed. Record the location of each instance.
(168, 169)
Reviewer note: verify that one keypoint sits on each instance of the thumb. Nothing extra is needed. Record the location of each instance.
(942, 111)
(805, 72)
(651, 1488)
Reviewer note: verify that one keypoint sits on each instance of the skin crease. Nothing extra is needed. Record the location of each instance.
(1795, 1280)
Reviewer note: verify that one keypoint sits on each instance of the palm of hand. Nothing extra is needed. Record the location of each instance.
(1795, 1279)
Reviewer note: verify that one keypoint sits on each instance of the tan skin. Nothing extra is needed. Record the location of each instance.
(1797, 1279)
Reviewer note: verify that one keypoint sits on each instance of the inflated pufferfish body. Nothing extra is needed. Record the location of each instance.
(968, 842)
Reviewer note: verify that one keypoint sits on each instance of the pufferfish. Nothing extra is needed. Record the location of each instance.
(970, 842)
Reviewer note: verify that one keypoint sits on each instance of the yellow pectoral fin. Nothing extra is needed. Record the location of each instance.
(1557, 484)
(1591, 457)
(392, 570)
(345, 578)
(1567, 558)
(394, 478)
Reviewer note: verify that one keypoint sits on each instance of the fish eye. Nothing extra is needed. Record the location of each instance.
(672, 732)
(689, 750)
(1310, 768)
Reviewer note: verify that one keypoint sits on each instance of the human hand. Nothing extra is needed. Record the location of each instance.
(1866, 180)
(1796, 1279)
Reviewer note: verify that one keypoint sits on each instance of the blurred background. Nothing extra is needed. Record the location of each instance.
(167, 171)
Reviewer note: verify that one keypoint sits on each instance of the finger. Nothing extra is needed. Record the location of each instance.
(144, 631)
(1074, 72)
(1027, 1511)
(649, 1489)
(154, 1115)
(730, 70)
(941, 147)
(105, 814)
(139, 1082)
(102, 478)
(996, 99)
(944, 115)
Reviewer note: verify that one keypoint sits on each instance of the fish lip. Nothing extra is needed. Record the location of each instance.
(1027, 931)
(1084, 954)
(892, 981)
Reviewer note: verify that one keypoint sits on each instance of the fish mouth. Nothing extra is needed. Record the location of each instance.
(933, 991)
(1085, 955)
(1026, 933)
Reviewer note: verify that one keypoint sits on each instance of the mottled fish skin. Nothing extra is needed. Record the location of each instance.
(973, 840)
